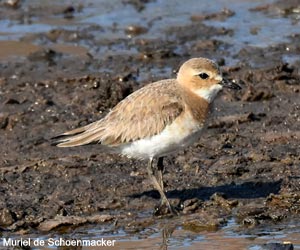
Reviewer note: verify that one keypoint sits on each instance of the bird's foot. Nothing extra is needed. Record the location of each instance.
(165, 208)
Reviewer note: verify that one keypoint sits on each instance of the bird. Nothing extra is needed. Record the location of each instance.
(156, 120)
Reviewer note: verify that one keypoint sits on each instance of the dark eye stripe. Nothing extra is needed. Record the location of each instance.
(203, 76)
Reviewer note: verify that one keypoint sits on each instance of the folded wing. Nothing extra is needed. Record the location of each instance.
(142, 114)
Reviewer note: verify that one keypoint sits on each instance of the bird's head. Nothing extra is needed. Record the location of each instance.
(203, 77)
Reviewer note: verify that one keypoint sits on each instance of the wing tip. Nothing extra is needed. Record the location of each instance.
(58, 141)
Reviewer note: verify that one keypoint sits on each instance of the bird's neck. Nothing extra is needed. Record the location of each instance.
(197, 105)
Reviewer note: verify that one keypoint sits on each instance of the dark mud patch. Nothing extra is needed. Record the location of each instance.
(245, 166)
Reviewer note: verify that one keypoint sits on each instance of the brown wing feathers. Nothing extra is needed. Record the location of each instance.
(144, 113)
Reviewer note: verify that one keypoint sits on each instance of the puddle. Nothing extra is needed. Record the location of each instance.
(70, 49)
(255, 28)
(16, 49)
(231, 237)
(251, 28)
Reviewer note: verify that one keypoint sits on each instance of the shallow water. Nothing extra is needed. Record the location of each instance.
(230, 237)
(251, 28)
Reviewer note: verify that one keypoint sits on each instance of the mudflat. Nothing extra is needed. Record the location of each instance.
(245, 166)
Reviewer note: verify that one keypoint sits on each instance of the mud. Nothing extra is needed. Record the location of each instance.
(246, 165)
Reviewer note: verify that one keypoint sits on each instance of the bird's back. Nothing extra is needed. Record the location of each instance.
(144, 113)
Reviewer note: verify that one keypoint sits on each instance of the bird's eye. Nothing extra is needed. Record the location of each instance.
(203, 76)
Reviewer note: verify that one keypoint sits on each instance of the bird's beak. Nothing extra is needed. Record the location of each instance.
(229, 84)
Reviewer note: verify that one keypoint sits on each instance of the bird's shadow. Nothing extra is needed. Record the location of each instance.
(246, 190)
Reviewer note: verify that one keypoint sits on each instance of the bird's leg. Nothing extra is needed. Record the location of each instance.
(160, 171)
(157, 185)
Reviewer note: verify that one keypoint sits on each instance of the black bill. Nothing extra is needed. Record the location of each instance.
(229, 84)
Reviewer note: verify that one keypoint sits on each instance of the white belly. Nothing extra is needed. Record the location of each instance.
(180, 134)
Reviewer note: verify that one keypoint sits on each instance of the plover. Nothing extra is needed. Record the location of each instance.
(158, 119)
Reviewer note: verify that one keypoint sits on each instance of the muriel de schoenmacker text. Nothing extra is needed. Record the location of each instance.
(56, 242)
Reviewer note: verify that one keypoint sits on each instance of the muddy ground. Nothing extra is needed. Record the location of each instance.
(245, 166)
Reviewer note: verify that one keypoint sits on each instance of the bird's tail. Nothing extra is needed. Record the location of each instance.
(79, 136)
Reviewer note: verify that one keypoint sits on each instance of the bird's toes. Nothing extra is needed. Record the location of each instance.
(165, 208)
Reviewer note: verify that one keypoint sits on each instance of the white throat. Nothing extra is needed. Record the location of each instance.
(210, 93)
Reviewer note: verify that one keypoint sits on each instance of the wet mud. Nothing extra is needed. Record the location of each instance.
(246, 165)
